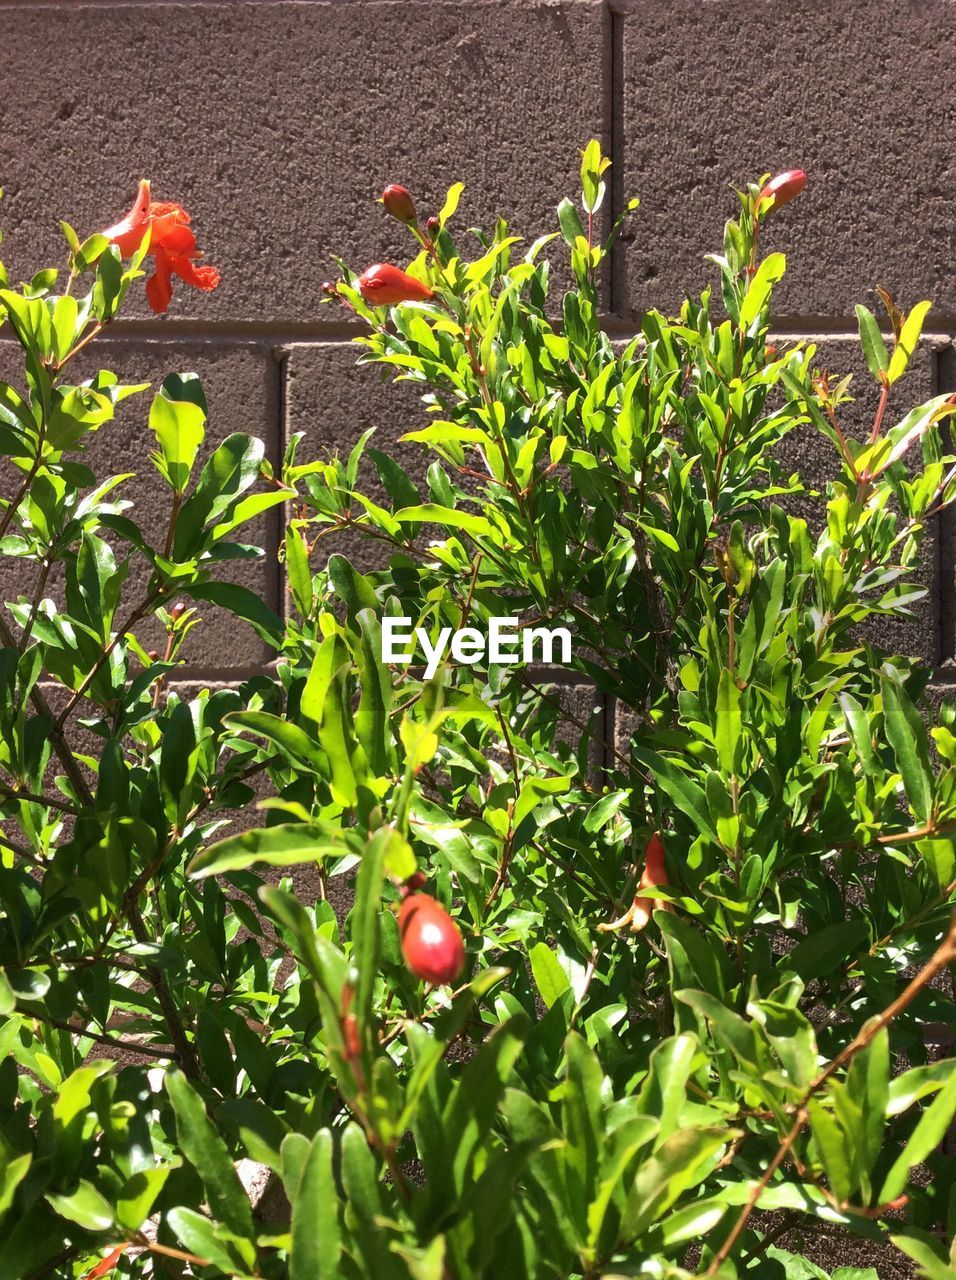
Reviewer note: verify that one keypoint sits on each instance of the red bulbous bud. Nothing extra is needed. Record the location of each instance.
(177, 611)
(781, 189)
(399, 203)
(431, 943)
(383, 285)
(433, 226)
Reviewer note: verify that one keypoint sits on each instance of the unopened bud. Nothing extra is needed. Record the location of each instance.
(781, 189)
(399, 203)
(433, 226)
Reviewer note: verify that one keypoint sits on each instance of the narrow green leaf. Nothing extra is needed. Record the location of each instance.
(907, 736)
(925, 1138)
(285, 845)
(874, 348)
(316, 1234)
(206, 1151)
(909, 337)
(729, 731)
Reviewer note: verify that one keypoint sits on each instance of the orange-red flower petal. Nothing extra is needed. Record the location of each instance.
(172, 244)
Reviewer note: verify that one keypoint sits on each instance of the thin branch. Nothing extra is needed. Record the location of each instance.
(33, 797)
(64, 754)
(21, 492)
(112, 1042)
(138, 613)
(944, 955)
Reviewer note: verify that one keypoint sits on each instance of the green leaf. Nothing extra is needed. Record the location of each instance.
(360, 1181)
(549, 977)
(138, 1195)
(281, 734)
(733, 1030)
(684, 1160)
(233, 467)
(432, 513)
(759, 289)
(366, 916)
(833, 1148)
(907, 736)
(299, 571)
(12, 1173)
(729, 731)
(180, 428)
(683, 791)
(664, 1090)
(451, 202)
(928, 1255)
(202, 1238)
(245, 604)
(909, 337)
(470, 1111)
(206, 1151)
(822, 951)
(569, 221)
(350, 586)
(84, 1206)
(285, 845)
(372, 727)
(874, 348)
(928, 1134)
(316, 1235)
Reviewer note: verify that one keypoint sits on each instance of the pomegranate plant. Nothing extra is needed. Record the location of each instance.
(476, 988)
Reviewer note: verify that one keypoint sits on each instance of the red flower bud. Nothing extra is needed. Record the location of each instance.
(433, 226)
(177, 611)
(782, 188)
(431, 943)
(383, 285)
(399, 203)
(655, 873)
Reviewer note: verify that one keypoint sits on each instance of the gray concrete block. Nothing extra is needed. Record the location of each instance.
(241, 385)
(860, 94)
(278, 124)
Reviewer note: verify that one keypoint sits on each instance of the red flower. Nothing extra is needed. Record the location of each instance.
(431, 943)
(638, 915)
(171, 242)
(399, 203)
(655, 873)
(383, 285)
(782, 188)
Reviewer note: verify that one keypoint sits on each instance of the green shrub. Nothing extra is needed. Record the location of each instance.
(699, 954)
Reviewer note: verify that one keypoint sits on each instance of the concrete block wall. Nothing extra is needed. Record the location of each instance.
(277, 122)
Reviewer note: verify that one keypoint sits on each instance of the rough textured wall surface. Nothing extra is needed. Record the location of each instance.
(277, 123)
